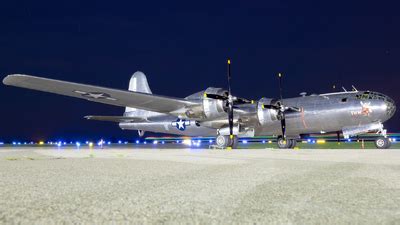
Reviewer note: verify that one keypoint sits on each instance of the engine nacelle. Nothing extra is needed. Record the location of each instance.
(266, 116)
(213, 108)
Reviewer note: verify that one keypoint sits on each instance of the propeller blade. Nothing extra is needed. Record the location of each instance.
(229, 76)
(282, 108)
(283, 126)
(280, 86)
(293, 109)
(271, 107)
(214, 96)
(230, 117)
(230, 102)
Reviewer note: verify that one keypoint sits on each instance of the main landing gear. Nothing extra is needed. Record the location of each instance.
(225, 141)
(286, 143)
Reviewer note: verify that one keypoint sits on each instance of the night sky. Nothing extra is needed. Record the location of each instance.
(182, 47)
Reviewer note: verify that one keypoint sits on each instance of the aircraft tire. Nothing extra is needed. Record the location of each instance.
(382, 143)
(283, 144)
(235, 142)
(223, 141)
(293, 143)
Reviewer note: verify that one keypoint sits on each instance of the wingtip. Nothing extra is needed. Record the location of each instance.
(8, 80)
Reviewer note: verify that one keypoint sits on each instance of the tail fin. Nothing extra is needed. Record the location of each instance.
(138, 83)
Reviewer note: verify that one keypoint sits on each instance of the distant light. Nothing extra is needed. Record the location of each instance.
(125, 142)
(90, 144)
(309, 140)
(349, 140)
(41, 143)
(59, 144)
(137, 141)
(313, 141)
(87, 142)
(269, 142)
(1, 143)
(155, 142)
(163, 142)
(65, 143)
(14, 143)
(321, 141)
(211, 141)
(263, 141)
(187, 142)
(244, 141)
(119, 142)
(78, 144)
(109, 143)
(177, 142)
(19, 143)
(145, 142)
(394, 140)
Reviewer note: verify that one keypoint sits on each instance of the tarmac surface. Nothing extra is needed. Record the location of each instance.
(196, 186)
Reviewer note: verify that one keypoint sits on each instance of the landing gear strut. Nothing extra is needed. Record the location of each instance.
(288, 143)
(225, 141)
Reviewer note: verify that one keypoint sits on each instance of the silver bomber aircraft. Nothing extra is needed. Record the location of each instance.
(216, 112)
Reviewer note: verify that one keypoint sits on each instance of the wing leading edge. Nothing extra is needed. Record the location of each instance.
(155, 103)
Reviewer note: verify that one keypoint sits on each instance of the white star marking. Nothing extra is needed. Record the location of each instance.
(181, 124)
(95, 95)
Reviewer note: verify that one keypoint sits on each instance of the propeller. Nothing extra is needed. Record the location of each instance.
(230, 101)
(281, 108)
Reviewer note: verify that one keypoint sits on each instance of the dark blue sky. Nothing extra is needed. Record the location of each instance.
(182, 48)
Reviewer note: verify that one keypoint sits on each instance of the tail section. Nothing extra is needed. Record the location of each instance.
(138, 83)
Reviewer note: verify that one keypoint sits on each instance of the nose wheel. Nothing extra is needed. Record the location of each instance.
(382, 143)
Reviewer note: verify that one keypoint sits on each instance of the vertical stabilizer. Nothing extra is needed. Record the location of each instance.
(138, 83)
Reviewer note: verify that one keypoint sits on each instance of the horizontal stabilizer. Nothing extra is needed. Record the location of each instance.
(119, 119)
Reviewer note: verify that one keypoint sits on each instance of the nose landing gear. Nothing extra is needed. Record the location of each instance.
(382, 142)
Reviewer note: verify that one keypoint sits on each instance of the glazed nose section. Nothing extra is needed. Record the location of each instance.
(391, 107)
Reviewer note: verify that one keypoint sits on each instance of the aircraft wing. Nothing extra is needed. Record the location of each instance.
(103, 95)
(119, 119)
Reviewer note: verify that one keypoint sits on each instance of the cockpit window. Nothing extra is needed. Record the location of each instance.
(371, 95)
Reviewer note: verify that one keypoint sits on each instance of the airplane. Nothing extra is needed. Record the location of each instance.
(216, 112)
